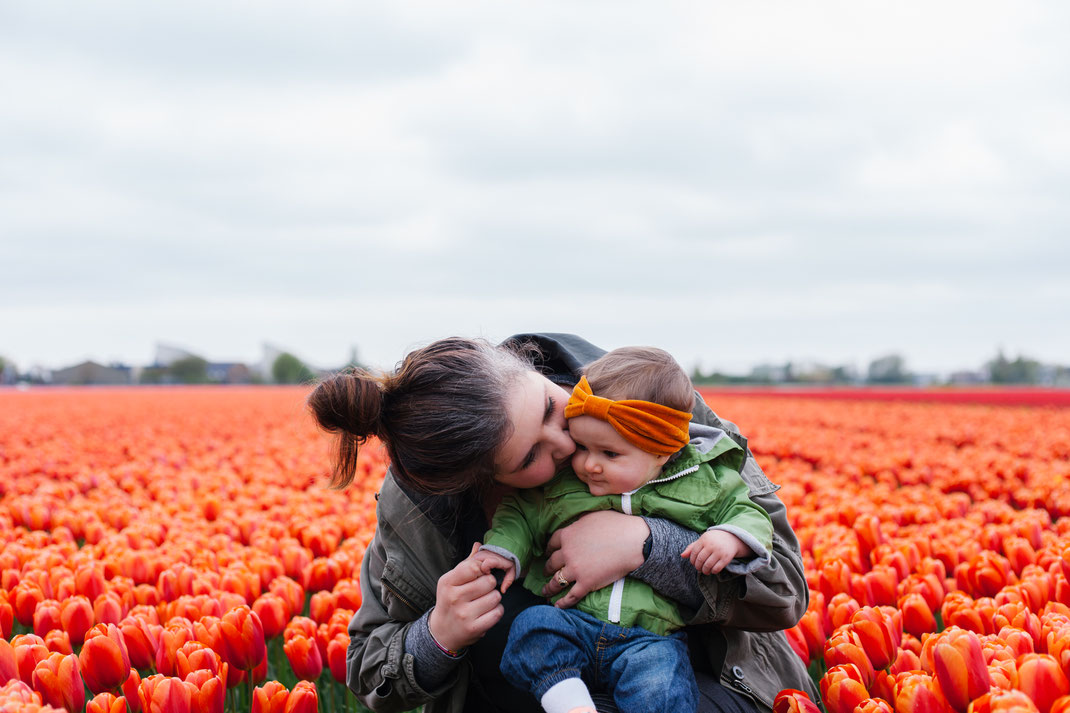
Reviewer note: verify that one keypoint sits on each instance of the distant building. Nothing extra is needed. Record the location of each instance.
(967, 377)
(166, 355)
(90, 372)
(228, 373)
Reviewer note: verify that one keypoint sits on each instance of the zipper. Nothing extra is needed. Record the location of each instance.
(616, 596)
(404, 600)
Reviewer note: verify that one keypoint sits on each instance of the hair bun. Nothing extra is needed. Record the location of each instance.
(350, 402)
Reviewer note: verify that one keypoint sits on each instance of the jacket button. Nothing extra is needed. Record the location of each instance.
(737, 672)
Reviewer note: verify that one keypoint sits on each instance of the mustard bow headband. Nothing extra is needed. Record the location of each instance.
(651, 427)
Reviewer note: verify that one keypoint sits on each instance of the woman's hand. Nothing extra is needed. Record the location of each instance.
(467, 604)
(593, 552)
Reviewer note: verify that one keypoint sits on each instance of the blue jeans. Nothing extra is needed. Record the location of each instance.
(644, 671)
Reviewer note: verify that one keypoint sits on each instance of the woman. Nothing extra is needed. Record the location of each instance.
(463, 422)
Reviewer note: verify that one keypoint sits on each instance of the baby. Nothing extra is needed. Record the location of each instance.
(635, 453)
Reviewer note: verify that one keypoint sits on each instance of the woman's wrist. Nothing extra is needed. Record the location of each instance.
(440, 640)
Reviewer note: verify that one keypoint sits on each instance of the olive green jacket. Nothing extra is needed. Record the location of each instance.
(420, 538)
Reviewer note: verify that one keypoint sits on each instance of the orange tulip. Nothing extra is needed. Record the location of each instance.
(142, 639)
(1003, 701)
(273, 612)
(107, 609)
(1061, 705)
(918, 693)
(303, 698)
(60, 684)
(162, 694)
(918, 617)
(321, 606)
(300, 625)
(9, 667)
(874, 705)
(46, 617)
(1040, 678)
(842, 688)
(76, 616)
(172, 637)
(130, 691)
(791, 700)
(844, 647)
(104, 660)
(840, 610)
(304, 657)
(27, 597)
(291, 591)
(880, 631)
(194, 656)
(797, 642)
(7, 616)
(243, 638)
(58, 641)
(336, 656)
(960, 667)
(28, 653)
(106, 703)
(270, 698)
(210, 690)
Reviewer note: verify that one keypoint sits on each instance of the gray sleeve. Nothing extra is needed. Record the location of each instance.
(431, 665)
(665, 570)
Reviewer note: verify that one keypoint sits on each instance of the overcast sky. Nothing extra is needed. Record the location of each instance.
(736, 182)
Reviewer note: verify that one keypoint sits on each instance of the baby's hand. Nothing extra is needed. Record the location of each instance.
(714, 549)
(492, 560)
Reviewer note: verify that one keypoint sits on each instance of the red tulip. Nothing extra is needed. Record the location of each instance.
(291, 591)
(881, 583)
(89, 581)
(7, 616)
(270, 698)
(130, 691)
(300, 625)
(842, 688)
(104, 660)
(59, 641)
(243, 638)
(142, 639)
(28, 655)
(9, 666)
(918, 693)
(27, 596)
(172, 637)
(303, 699)
(163, 694)
(918, 617)
(874, 705)
(336, 656)
(960, 667)
(1040, 677)
(791, 700)
(273, 612)
(210, 690)
(194, 656)
(1061, 705)
(797, 642)
(60, 684)
(880, 632)
(844, 647)
(107, 609)
(76, 615)
(840, 610)
(304, 657)
(321, 606)
(46, 617)
(106, 703)
(1003, 701)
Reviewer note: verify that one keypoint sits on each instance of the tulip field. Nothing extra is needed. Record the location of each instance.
(175, 549)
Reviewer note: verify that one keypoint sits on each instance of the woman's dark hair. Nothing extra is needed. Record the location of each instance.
(441, 415)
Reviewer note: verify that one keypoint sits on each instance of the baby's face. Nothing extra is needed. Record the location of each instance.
(607, 463)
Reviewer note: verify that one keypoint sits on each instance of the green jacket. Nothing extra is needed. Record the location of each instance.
(421, 537)
(697, 489)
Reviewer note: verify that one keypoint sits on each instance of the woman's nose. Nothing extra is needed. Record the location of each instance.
(561, 444)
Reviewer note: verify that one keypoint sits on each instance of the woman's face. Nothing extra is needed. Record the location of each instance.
(539, 443)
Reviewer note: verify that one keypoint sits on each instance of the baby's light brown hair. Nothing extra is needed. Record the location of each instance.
(644, 373)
